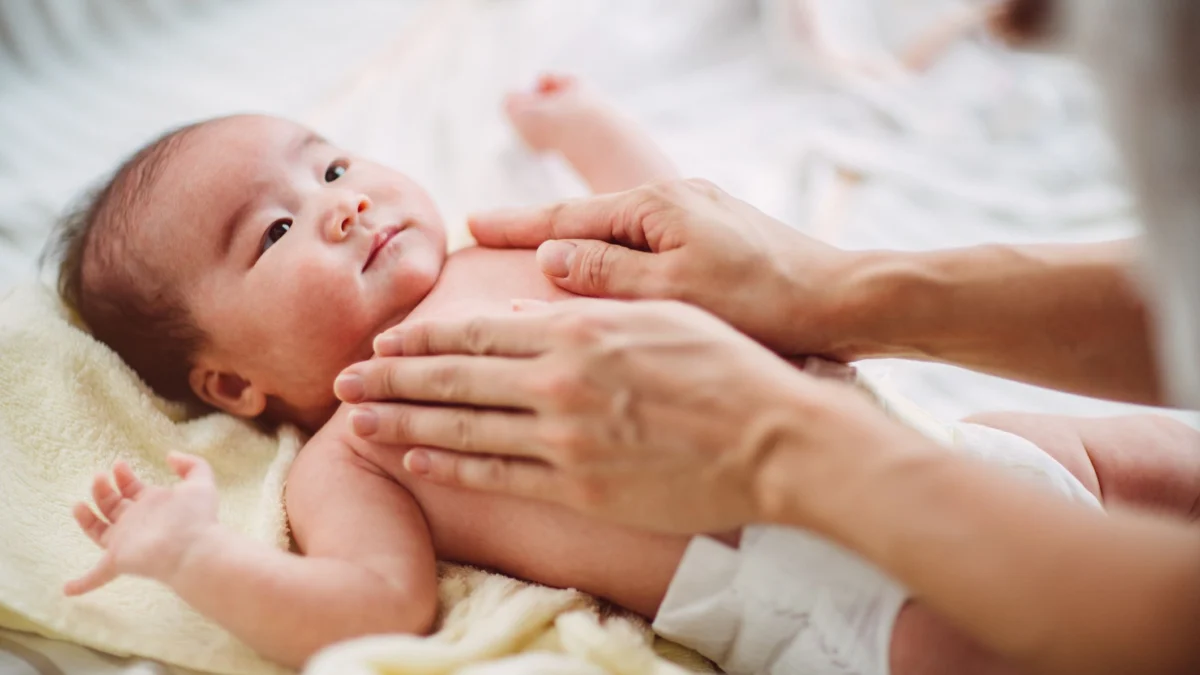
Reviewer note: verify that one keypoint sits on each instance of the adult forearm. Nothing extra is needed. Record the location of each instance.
(1056, 586)
(286, 606)
(1064, 316)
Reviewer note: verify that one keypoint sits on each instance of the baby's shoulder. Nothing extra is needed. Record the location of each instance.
(327, 439)
(330, 450)
(333, 494)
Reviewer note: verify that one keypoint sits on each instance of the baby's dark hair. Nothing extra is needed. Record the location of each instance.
(106, 280)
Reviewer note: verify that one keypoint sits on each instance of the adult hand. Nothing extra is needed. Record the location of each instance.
(653, 414)
(688, 241)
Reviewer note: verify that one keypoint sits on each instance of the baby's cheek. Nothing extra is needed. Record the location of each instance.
(328, 309)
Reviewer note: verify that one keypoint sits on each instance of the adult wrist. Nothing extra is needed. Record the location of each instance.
(867, 304)
(832, 448)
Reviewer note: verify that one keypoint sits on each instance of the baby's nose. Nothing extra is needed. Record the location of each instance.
(346, 218)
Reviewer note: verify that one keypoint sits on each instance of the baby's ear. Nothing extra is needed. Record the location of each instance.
(227, 391)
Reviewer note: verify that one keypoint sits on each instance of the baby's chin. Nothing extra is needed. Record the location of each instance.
(405, 283)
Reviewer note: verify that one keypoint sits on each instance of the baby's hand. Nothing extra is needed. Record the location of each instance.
(146, 530)
(558, 107)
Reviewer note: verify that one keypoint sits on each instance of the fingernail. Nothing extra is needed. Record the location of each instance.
(417, 462)
(364, 422)
(555, 258)
(350, 388)
(389, 344)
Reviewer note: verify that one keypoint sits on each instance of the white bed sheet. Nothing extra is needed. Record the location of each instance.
(989, 146)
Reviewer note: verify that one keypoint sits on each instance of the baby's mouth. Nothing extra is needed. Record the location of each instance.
(381, 239)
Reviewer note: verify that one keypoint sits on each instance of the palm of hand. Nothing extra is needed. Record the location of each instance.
(145, 530)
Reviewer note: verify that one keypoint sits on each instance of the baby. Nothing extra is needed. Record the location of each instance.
(241, 263)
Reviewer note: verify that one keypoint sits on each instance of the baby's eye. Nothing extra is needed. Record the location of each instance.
(275, 232)
(335, 171)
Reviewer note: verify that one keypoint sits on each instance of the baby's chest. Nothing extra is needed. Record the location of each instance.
(486, 281)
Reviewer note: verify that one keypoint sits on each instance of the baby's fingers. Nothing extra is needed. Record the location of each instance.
(190, 467)
(107, 499)
(104, 572)
(90, 523)
(127, 481)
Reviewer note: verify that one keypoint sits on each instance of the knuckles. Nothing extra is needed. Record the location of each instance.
(444, 382)
(594, 265)
(477, 337)
(398, 423)
(567, 441)
(462, 429)
(583, 329)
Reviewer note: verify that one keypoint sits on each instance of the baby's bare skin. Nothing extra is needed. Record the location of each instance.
(540, 542)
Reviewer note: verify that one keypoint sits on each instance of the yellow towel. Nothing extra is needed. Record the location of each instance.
(69, 408)
(494, 625)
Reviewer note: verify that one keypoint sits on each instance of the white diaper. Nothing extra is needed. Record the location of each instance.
(787, 601)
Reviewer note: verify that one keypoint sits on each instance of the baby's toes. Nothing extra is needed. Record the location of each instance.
(518, 102)
(553, 83)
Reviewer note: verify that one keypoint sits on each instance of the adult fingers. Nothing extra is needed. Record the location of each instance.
(463, 429)
(600, 269)
(522, 478)
(464, 380)
(91, 524)
(604, 217)
(496, 335)
(190, 467)
(104, 572)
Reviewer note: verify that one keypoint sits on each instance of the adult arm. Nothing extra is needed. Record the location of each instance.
(1055, 586)
(1068, 317)
(601, 406)
(1064, 316)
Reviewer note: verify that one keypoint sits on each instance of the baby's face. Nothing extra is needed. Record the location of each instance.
(294, 253)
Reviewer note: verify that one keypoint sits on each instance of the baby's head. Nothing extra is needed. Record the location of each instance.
(244, 261)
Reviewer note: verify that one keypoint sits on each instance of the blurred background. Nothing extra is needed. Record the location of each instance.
(800, 107)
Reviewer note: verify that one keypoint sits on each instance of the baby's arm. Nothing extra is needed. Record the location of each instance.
(368, 566)
(608, 150)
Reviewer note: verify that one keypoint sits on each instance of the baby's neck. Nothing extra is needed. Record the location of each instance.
(311, 407)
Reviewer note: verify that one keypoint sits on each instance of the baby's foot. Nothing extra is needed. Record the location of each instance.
(560, 110)
(605, 148)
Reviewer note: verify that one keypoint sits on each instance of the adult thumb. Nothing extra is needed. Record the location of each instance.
(599, 269)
